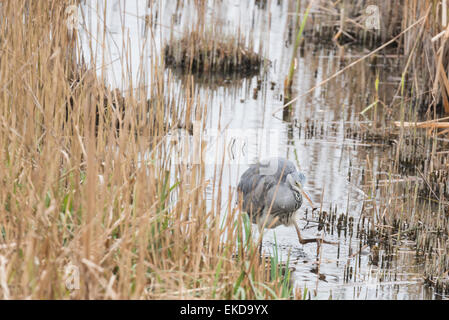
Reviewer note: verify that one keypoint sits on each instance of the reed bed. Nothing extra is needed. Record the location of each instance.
(407, 200)
(406, 191)
(404, 180)
(345, 21)
(427, 64)
(92, 210)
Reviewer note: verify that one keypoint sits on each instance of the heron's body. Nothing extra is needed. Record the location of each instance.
(271, 193)
(267, 194)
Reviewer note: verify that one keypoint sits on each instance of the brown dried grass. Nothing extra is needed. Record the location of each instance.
(74, 191)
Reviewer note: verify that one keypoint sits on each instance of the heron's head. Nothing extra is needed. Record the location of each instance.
(296, 181)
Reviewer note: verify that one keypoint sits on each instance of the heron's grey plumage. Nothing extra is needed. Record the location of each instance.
(273, 189)
(267, 192)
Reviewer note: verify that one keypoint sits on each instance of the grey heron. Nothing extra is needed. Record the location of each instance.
(271, 192)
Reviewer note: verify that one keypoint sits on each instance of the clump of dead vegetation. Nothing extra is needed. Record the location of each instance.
(207, 52)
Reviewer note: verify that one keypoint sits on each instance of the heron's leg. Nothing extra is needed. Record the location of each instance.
(304, 241)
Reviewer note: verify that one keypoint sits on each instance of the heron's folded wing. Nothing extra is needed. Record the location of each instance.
(252, 190)
(281, 200)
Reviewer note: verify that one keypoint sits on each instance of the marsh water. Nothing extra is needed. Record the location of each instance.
(245, 122)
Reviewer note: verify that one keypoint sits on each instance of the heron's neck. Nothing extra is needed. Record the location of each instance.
(298, 196)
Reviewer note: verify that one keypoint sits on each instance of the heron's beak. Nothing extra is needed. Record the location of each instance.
(306, 195)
